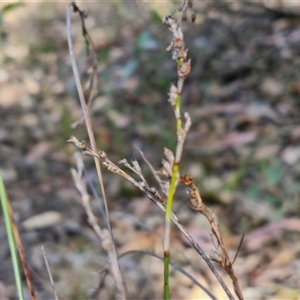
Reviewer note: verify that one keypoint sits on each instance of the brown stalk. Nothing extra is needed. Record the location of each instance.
(113, 254)
(221, 256)
(93, 80)
(21, 251)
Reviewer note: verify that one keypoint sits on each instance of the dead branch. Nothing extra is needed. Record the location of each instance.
(220, 254)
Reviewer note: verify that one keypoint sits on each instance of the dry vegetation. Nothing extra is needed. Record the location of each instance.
(242, 150)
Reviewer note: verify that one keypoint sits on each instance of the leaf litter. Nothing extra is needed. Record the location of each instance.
(243, 99)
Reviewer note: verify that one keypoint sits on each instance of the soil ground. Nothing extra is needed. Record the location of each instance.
(243, 148)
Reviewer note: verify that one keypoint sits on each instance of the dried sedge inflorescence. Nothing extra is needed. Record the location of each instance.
(220, 254)
(151, 192)
(179, 53)
(184, 6)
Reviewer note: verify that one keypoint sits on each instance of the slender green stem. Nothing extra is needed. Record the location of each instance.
(172, 189)
(11, 240)
(166, 278)
(167, 232)
(177, 113)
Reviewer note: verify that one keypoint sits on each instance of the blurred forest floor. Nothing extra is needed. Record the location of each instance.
(243, 148)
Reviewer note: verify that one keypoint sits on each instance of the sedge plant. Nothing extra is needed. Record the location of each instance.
(168, 177)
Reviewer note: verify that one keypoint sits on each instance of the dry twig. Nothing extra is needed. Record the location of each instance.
(102, 233)
(49, 272)
(92, 81)
(220, 254)
(113, 254)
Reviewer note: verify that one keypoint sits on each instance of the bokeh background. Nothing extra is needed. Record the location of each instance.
(243, 149)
